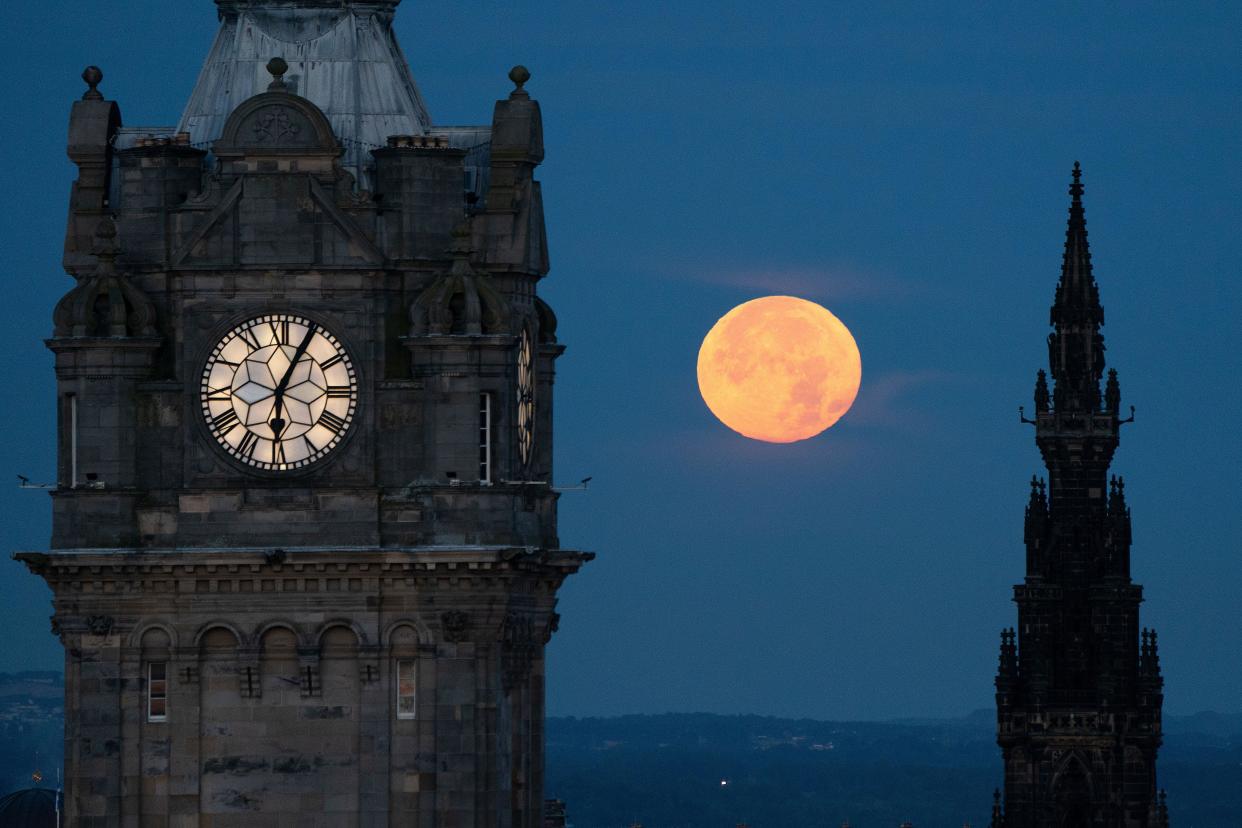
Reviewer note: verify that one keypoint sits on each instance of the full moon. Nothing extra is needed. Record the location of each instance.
(779, 369)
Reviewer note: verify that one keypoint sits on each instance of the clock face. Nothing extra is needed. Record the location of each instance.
(525, 398)
(279, 392)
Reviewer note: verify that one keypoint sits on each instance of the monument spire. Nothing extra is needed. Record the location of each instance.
(1076, 346)
(1078, 695)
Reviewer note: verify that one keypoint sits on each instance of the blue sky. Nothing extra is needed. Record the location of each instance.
(905, 165)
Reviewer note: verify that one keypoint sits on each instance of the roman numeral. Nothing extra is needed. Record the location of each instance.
(278, 453)
(331, 421)
(225, 422)
(280, 331)
(326, 365)
(339, 391)
(247, 336)
(219, 395)
(313, 448)
(248, 444)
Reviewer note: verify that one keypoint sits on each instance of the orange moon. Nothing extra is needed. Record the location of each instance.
(779, 369)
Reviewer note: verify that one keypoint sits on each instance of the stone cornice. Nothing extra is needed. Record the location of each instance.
(472, 564)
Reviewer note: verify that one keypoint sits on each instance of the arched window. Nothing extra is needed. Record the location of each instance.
(404, 647)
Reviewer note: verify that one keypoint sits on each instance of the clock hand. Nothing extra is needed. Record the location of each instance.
(277, 422)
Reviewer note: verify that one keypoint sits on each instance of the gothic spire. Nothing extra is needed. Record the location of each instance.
(1076, 348)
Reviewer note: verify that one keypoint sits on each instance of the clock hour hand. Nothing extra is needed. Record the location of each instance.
(277, 422)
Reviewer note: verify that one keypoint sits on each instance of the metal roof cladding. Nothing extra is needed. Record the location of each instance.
(342, 56)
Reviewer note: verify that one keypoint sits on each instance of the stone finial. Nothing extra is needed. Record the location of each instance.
(92, 75)
(277, 67)
(519, 75)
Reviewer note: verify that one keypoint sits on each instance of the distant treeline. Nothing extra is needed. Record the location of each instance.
(707, 771)
(704, 771)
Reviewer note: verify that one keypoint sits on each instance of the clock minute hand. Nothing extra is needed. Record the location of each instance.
(277, 422)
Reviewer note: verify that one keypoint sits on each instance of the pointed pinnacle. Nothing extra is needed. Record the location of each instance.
(1076, 188)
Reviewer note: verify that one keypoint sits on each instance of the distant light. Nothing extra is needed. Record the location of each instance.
(724, 782)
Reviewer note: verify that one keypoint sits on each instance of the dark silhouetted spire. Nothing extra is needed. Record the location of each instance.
(1076, 647)
(1036, 524)
(1075, 347)
(1041, 392)
(1149, 655)
(1112, 393)
(1117, 496)
(1008, 655)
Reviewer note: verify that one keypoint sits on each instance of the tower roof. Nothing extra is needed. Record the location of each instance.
(1077, 296)
(342, 56)
(1076, 347)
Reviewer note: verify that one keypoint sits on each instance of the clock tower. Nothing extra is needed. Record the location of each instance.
(304, 553)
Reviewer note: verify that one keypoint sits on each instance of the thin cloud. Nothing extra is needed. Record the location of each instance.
(888, 401)
(820, 283)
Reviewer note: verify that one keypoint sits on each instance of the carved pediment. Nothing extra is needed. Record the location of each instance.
(276, 125)
(277, 122)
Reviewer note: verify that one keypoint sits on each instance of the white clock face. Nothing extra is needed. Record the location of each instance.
(279, 392)
(525, 399)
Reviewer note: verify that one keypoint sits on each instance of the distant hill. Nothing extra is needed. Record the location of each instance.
(667, 771)
(32, 716)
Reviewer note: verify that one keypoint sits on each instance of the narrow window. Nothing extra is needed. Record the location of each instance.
(407, 707)
(157, 691)
(73, 440)
(485, 438)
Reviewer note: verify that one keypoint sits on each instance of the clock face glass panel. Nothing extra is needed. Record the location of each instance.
(525, 398)
(279, 392)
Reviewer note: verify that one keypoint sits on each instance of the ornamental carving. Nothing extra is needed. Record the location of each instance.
(276, 120)
(105, 303)
(274, 124)
(554, 624)
(517, 650)
(456, 626)
(462, 300)
(99, 624)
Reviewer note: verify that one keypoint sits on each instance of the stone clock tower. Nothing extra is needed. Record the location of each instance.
(304, 550)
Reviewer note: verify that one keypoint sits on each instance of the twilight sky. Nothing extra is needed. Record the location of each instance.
(904, 165)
